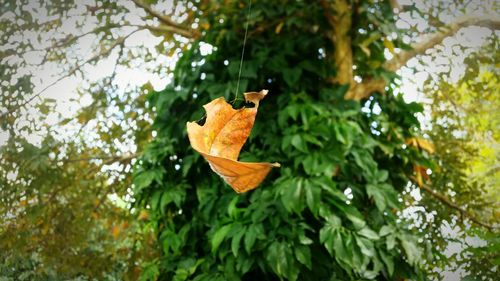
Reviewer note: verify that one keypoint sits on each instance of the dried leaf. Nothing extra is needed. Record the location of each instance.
(426, 145)
(422, 144)
(389, 45)
(420, 174)
(278, 28)
(115, 231)
(221, 138)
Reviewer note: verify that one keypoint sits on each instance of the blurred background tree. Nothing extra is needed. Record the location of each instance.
(464, 128)
(67, 152)
(342, 205)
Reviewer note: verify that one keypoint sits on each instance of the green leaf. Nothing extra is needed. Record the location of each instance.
(341, 252)
(150, 272)
(303, 255)
(368, 233)
(298, 142)
(171, 241)
(250, 237)
(291, 75)
(328, 232)
(145, 178)
(390, 241)
(155, 199)
(388, 261)
(385, 230)
(377, 195)
(292, 196)
(365, 161)
(390, 194)
(382, 175)
(313, 196)
(219, 236)
(304, 240)
(412, 251)
(235, 243)
(181, 274)
(383, 194)
(310, 164)
(232, 210)
(352, 214)
(366, 246)
(329, 187)
(280, 257)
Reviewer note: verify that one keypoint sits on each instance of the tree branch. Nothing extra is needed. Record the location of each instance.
(167, 29)
(444, 199)
(362, 90)
(419, 48)
(366, 88)
(109, 158)
(168, 24)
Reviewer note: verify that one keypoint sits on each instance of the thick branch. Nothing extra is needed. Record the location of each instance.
(365, 89)
(444, 199)
(419, 48)
(168, 24)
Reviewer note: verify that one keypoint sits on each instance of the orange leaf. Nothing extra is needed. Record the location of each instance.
(420, 174)
(422, 144)
(278, 28)
(221, 138)
(115, 231)
(426, 145)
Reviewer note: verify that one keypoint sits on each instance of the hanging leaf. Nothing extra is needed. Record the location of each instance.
(221, 138)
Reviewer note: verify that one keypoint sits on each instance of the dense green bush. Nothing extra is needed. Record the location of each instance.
(329, 213)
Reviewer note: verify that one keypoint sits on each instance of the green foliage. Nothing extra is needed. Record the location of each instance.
(330, 211)
(57, 221)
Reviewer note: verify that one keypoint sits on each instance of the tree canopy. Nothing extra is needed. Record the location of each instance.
(113, 190)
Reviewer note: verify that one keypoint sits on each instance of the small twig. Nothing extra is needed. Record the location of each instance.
(444, 199)
(169, 24)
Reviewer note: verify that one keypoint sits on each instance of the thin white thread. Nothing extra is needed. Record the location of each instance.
(243, 51)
